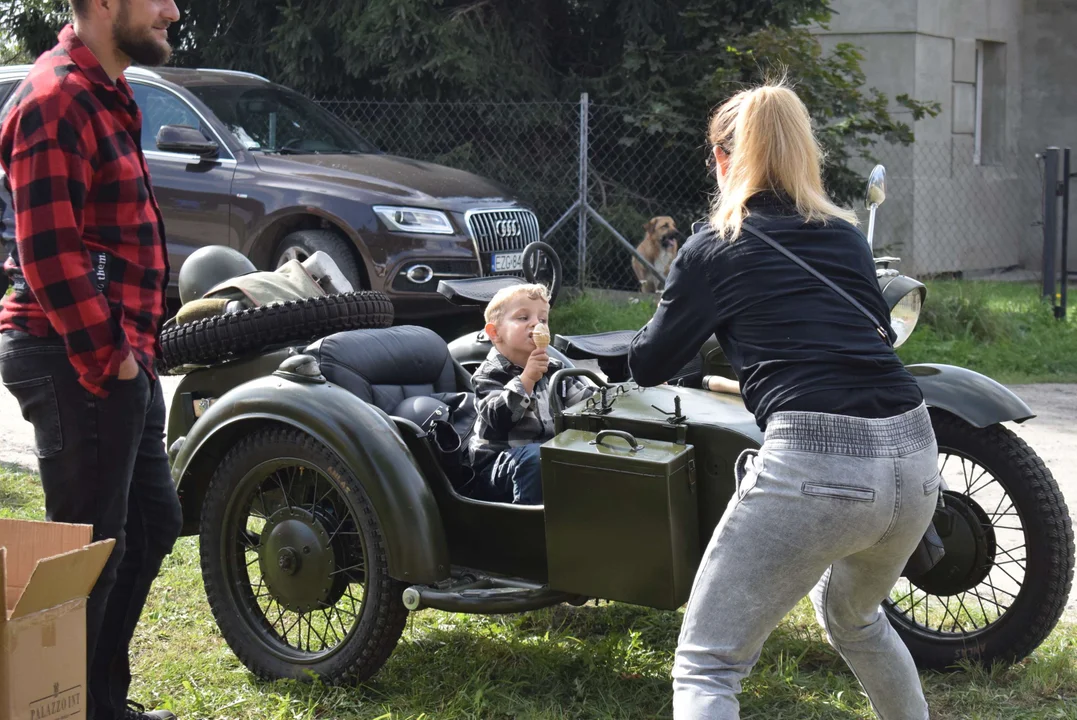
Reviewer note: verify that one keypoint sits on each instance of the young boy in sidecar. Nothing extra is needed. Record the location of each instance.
(512, 387)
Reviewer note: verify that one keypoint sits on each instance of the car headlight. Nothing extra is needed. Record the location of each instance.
(415, 220)
(905, 297)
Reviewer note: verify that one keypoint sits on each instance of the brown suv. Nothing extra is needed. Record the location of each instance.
(274, 175)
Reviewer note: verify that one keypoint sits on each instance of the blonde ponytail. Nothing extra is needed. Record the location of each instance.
(768, 135)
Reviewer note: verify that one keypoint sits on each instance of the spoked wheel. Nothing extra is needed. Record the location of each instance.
(1002, 586)
(294, 563)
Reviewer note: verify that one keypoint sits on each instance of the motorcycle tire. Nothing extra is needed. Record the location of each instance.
(326, 511)
(223, 337)
(1043, 548)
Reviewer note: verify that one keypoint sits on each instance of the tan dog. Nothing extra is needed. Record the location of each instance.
(660, 245)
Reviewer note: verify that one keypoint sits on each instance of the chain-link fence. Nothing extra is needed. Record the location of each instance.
(943, 215)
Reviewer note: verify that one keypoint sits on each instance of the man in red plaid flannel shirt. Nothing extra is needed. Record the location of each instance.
(78, 334)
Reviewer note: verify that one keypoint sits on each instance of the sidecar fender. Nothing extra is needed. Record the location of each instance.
(975, 398)
(364, 438)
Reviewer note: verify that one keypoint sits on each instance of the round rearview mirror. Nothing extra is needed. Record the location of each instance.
(876, 186)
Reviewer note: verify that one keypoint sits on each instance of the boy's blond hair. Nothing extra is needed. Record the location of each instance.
(495, 311)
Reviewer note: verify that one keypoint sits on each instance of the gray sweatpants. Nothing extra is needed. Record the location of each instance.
(832, 505)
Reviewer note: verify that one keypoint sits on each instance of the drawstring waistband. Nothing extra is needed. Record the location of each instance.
(846, 435)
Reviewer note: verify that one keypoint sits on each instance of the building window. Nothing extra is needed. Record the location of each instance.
(990, 103)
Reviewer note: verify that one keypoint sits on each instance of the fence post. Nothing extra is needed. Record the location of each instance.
(1050, 220)
(1064, 189)
(581, 244)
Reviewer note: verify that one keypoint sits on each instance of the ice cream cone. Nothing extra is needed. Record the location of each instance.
(541, 336)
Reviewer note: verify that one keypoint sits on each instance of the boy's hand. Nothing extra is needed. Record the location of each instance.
(537, 364)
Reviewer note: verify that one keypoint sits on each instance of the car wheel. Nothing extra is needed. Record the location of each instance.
(301, 244)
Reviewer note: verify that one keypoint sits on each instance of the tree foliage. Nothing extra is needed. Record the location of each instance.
(669, 61)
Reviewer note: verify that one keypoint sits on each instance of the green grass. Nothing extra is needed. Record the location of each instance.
(609, 661)
(594, 312)
(1000, 329)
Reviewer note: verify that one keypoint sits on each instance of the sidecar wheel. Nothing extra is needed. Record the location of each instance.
(294, 563)
(1003, 584)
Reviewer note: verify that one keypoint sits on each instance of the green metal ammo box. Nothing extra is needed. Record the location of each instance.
(621, 517)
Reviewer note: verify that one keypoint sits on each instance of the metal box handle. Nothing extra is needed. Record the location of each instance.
(633, 446)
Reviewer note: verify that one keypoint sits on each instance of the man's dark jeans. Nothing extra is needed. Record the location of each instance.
(102, 463)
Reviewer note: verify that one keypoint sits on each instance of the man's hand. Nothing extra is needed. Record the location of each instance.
(129, 367)
(537, 364)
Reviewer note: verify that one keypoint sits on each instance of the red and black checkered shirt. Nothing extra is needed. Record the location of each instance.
(89, 263)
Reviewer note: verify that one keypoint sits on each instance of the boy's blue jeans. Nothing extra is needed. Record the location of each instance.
(517, 472)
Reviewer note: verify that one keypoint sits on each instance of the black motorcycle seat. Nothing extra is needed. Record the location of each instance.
(387, 365)
(613, 344)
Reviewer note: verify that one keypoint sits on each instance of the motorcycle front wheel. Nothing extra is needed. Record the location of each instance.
(1003, 584)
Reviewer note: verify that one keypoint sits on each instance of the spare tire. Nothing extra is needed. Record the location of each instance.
(225, 336)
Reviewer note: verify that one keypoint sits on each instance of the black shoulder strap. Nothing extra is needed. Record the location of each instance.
(867, 313)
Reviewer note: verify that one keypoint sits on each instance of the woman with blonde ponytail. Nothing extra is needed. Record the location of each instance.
(846, 481)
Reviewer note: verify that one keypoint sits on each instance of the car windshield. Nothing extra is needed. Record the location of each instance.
(273, 119)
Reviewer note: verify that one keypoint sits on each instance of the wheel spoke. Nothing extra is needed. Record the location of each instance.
(976, 489)
(1007, 574)
(995, 588)
(998, 606)
(329, 624)
(1001, 500)
(360, 565)
(1009, 553)
(283, 492)
(328, 492)
(980, 599)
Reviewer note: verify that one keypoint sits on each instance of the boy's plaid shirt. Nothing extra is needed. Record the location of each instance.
(508, 416)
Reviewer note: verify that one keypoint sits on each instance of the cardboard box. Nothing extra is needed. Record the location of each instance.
(46, 573)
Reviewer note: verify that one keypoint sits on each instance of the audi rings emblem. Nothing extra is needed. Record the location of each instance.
(507, 228)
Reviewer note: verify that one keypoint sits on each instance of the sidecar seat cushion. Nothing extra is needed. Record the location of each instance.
(387, 365)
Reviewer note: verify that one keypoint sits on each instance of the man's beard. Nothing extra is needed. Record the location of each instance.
(143, 48)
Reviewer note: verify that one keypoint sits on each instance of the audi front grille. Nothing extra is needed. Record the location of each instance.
(501, 232)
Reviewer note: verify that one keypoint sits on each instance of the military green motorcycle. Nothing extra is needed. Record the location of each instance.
(318, 457)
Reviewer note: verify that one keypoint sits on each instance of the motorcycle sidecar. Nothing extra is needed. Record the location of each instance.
(324, 519)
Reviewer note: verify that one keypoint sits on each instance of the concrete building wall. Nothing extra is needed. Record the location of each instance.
(945, 211)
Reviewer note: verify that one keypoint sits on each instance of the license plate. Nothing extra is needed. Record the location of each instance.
(507, 262)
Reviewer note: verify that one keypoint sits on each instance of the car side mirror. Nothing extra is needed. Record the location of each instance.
(185, 139)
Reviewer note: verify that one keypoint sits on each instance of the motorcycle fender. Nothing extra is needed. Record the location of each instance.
(975, 398)
(360, 434)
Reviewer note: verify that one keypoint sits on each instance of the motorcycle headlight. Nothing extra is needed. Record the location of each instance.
(415, 220)
(905, 297)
